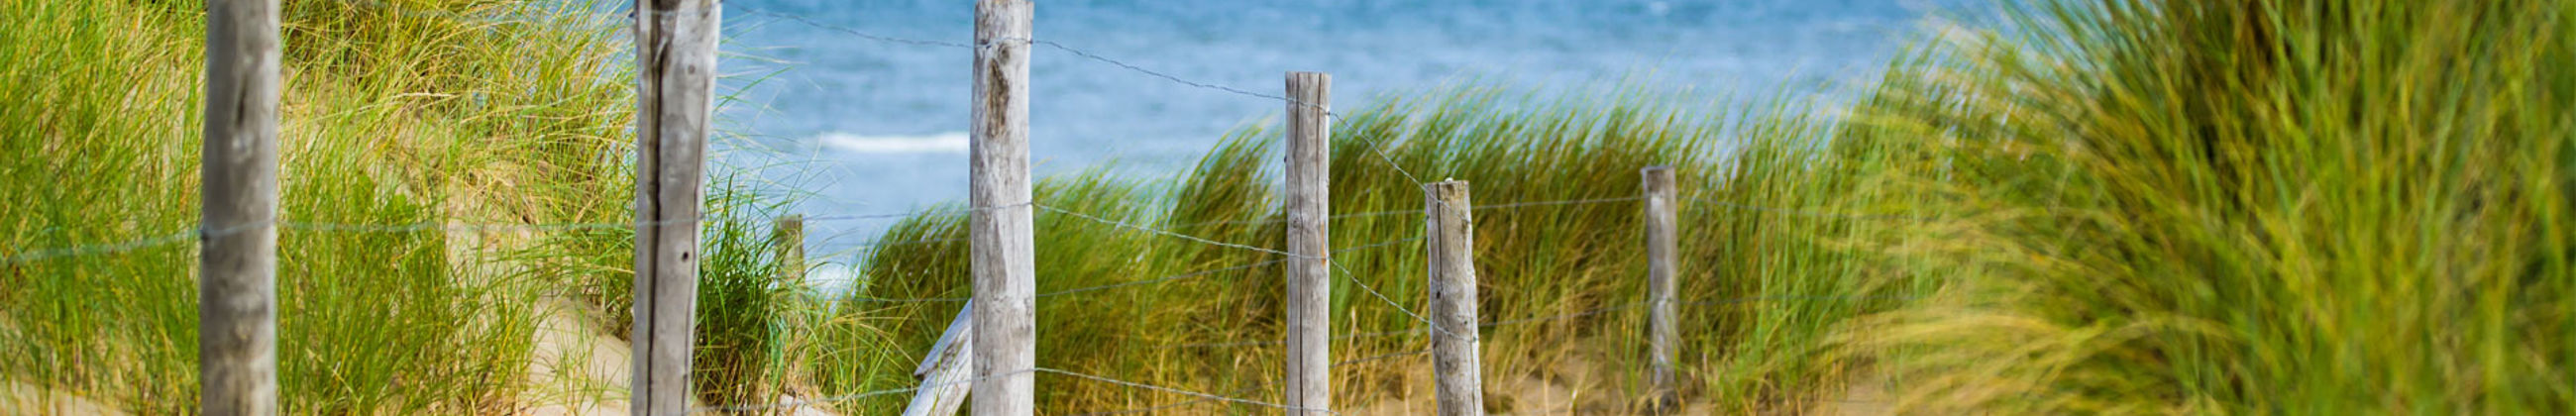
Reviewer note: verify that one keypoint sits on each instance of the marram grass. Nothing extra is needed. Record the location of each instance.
(395, 113)
(2110, 207)
(2301, 207)
(1763, 290)
(2309, 207)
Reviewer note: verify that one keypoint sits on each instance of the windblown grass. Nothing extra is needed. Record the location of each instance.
(395, 113)
(2291, 206)
(2109, 207)
(2305, 207)
(1564, 282)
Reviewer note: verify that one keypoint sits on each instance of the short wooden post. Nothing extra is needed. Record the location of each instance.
(1660, 281)
(1453, 301)
(237, 261)
(675, 83)
(788, 234)
(1005, 271)
(1310, 290)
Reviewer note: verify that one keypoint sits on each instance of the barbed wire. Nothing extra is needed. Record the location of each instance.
(1283, 220)
(99, 249)
(1559, 202)
(1376, 147)
(1417, 211)
(1809, 213)
(188, 235)
(434, 14)
(1390, 302)
(855, 32)
(132, 245)
(1560, 317)
(184, 236)
(1157, 280)
(1151, 230)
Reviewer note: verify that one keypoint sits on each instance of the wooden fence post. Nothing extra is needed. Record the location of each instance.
(675, 74)
(237, 261)
(789, 234)
(1453, 300)
(1660, 280)
(943, 372)
(1005, 271)
(1310, 290)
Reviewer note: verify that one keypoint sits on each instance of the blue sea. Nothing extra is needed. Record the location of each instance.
(874, 124)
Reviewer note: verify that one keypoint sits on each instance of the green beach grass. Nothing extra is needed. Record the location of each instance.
(1765, 292)
(2306, 207)
(2290, 206)
(2115, 207)
(395, 114)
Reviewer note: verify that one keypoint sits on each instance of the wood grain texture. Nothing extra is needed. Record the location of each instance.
(675, 87)
(1661, 233)
(1310, 289)
(1004, 267)
(945, 370)
(237, 262)
(1458, 371)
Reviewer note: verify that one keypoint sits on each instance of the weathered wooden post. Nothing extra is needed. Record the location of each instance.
(943, 372)
(1660, 236)
(237, 230)
(674, 85)
(1310, 290)
(788, 233)
(1005, 273)
(1453, 300)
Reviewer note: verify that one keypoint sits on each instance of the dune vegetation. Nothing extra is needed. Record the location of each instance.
(2286, 206)
(418, 162)
(1569, 276)
(2314, 207)
(2321, 207)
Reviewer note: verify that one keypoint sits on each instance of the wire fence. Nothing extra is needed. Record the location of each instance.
(1377, 149)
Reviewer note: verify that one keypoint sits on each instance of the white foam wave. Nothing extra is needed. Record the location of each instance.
(945, 142)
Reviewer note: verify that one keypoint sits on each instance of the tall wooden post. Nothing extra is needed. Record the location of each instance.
(1005, 271)
(1660, 280)
(1310, 290)
(1454, 361)
(237, 261)
(674, 85)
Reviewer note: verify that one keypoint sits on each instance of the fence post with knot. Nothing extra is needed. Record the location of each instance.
(237, 263)
(1004, 268)
(1460, 384)
(675, 88)
(1662, 331)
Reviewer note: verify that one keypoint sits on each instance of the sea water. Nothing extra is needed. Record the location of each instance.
(855, 125)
